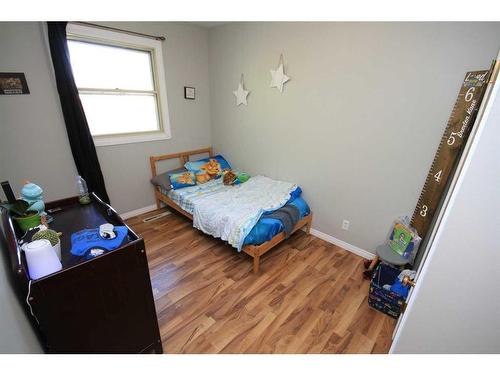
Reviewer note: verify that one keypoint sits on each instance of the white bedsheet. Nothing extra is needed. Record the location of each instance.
(231, 213)
(186, 197)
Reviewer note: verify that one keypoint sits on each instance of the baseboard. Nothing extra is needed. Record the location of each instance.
(326, 237)
(344, 245)
(139, 211)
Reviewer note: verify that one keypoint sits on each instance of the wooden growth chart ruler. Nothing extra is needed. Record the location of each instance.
(455, 136)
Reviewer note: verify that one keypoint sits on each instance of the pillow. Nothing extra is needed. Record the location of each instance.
(202, 177)
(181, 180)
(208, 168)
(163, 180)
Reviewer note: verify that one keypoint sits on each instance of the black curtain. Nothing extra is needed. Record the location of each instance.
(80, 139)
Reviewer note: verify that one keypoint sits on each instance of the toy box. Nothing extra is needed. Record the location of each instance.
(388, 302)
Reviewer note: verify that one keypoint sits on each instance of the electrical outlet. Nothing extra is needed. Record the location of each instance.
(345, 225)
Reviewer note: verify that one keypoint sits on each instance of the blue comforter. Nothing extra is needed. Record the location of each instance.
(267, 228)
(264, 229)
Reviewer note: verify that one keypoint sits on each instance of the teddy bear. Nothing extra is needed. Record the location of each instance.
(229, 177)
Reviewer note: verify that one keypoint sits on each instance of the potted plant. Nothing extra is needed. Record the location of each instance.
(25, 217)
(48, 234)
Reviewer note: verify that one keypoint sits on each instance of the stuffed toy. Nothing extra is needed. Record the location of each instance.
(229, 177)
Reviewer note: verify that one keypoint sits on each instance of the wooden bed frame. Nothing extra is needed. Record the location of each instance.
(255, 251)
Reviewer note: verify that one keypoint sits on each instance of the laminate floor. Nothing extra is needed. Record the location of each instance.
(309, 296)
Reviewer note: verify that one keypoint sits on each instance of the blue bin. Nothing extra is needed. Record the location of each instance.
(388, 302)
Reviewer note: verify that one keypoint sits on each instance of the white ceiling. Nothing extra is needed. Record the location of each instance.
(208, 24)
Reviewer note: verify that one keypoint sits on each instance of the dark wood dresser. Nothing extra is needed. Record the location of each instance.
(101, 305)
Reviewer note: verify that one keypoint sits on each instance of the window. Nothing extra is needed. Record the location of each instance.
(121, 84)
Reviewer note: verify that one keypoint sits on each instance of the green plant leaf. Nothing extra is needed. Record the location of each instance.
(20, 207)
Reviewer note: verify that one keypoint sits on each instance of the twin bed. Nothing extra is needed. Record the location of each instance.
(230, 212)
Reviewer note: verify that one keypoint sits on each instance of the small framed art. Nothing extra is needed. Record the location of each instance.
(13, 84)
(189, 93)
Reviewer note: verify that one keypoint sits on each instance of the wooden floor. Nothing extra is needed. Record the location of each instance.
(309, 296)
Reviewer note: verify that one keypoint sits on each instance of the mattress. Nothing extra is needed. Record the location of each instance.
(264, 230)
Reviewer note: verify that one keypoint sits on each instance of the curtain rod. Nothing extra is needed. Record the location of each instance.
(162, 38)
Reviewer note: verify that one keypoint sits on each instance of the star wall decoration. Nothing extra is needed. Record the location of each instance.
(241, 94)
(278, 76)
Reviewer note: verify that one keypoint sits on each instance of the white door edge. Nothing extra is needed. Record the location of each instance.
(469, 150)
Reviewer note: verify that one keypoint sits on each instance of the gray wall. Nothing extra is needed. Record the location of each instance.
(17, 335)
(33, 140)
(359, 122)
(46, 158)
(456, 307)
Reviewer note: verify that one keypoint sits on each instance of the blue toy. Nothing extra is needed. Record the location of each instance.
(33, 194)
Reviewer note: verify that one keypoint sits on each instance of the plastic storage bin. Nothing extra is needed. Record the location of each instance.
(388, 302)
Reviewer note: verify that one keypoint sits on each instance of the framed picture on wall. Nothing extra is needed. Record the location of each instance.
(13, 84)
(189, 93)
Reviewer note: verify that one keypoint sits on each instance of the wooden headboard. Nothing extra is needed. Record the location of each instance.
(182, 156)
